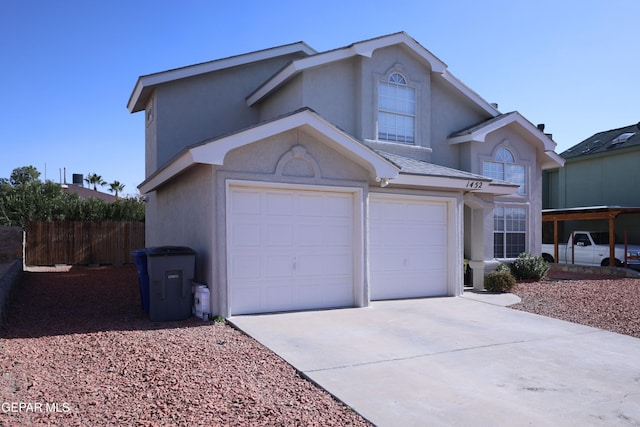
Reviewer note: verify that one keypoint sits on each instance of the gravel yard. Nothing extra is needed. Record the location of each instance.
(610, 304)
(77, 350)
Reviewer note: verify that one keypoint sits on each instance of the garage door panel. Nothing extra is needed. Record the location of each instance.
(310, 205)
(245, 267)
(338, 265)
(339, 236)
(246, 235)
(339, 206)
(277, 266)
(407, 247)
(298, 247)
(309, 265)
(279, 234)
(246, 202)
(310, 234)
(278, 204)
(278, 297)
(388, 262)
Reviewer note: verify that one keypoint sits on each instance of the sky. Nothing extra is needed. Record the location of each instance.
(68, 67)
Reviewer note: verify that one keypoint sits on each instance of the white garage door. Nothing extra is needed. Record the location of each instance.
(407, 247)
(289, 249)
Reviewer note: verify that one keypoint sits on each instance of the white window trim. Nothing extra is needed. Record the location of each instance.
(409, 84)
(526, 231)
(526, 165)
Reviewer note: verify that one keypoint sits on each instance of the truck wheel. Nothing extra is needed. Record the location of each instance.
(548, 258)
(605, 263)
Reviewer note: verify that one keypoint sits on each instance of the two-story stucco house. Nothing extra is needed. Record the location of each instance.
(309, 179)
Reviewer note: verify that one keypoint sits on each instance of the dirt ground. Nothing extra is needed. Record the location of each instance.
(76, 349)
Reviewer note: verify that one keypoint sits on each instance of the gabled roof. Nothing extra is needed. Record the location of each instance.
(87, 193)
(213, 151)
(366, 48)
(479, 132)
(145, 84)
(605, 142)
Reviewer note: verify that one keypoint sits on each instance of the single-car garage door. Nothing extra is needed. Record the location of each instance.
(407, 247)
(289, 249)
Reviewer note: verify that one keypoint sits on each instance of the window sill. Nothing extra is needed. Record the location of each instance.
(404, 146)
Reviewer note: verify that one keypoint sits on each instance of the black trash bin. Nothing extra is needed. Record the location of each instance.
(140, 259)
(171, 270)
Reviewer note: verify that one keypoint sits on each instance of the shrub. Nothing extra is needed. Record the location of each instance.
(503, 268)
(498, 281)
(529, 267)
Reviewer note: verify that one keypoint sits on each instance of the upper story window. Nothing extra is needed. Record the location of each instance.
(396, 110)
(504, 167)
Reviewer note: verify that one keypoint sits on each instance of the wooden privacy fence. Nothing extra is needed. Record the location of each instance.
(78, 243)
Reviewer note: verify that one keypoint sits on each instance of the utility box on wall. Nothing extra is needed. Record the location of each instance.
(171, 270)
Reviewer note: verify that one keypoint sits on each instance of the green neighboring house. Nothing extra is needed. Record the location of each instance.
(603, 170)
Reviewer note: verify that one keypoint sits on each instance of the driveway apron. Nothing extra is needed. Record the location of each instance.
(459, 362)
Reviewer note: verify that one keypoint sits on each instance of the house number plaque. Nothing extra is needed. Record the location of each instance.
(474, 185)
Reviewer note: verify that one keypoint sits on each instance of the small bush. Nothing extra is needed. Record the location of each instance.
(503, 268)
(529, 267)
(497, 281)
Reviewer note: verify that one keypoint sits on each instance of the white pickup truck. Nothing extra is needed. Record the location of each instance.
(592, 248)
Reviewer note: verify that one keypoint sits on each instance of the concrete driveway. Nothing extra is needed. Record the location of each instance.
(459, 362)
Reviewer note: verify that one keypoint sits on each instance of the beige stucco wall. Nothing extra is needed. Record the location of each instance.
(526, 153)
(346, 94)
(451, 113)
(190, 210)
(183, 217)
(192, 110)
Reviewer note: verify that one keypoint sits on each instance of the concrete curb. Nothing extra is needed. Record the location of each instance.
(501, 299)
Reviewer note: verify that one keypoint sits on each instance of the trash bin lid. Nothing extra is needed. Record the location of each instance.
(139, 252)
(169, 251)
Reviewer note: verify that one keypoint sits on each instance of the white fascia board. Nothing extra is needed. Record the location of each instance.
(365, 48)
(466, 185)
(214, 152)
(480, 134)
(294, 68)
(466, 91)
(553, 160)
(182, 162)
(151, 80)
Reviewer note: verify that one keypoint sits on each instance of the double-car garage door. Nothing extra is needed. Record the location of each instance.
(299, 248)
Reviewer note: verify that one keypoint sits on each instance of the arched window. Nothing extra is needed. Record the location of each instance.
(396, 110)
(504, 167)
(509, 220)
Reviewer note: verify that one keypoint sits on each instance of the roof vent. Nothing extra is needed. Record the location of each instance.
(622, 138)
(541, 127)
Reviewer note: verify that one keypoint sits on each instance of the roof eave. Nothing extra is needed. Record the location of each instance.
(213, 152)
(138, 99)
(553, 160)
(480, 134)
(364, 48)
(484, 185)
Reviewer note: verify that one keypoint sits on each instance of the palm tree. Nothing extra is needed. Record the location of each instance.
(116, 187)
(95, 179)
